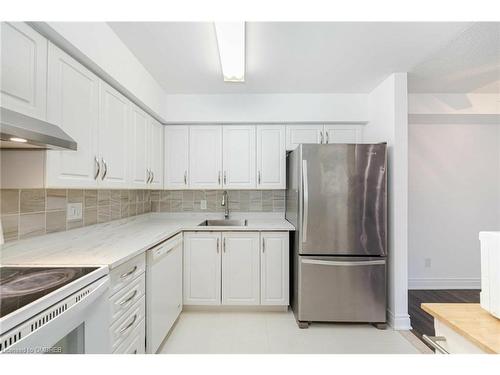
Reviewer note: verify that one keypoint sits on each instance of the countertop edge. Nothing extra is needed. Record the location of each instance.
(427, 307)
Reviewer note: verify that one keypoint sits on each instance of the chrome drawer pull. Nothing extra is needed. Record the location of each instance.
(129, 325)
(434, 342)
(129, 298)
(129, 272)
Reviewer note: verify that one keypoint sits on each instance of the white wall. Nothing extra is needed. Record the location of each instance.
(97, 46)
(388, 109)
(267, 108)
(454, 186)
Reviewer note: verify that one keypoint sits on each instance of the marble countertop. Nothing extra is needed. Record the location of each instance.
(115, 242)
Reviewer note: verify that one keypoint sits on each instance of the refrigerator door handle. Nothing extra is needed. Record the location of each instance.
(306, 201)
(343, 263)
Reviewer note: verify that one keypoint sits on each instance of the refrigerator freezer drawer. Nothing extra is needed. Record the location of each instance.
(342, 289)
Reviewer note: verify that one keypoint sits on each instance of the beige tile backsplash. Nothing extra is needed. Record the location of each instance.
(32, 212)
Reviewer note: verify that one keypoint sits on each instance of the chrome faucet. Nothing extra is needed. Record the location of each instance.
(225, 204)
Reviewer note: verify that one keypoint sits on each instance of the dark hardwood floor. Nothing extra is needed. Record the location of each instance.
(423, 323)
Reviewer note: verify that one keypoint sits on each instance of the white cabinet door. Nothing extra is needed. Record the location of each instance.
(238, 157)
(176, 157)
(271, 157)
(23, 69)
(156, 154)
(274, 264)
(240, 268)
(139, 146)
(205, 157)
(306, 133)
(339, 133)
(73, 104)
(202, 268)
(113, 137)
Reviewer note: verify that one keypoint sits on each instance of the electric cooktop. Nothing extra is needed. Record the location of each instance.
(20, 286)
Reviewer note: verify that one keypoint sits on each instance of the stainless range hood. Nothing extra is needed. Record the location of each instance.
(19, 131)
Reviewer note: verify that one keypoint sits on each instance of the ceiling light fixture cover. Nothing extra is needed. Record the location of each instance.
(231, 42)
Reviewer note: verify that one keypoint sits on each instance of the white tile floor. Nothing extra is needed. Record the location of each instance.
(199, 332)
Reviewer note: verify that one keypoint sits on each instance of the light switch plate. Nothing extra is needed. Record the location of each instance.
(74, 211)
(203, 204)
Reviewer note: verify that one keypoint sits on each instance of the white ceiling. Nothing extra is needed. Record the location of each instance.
(298, 57)
(469, 63)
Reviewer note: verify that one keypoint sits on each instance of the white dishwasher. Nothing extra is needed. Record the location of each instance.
(163, 290)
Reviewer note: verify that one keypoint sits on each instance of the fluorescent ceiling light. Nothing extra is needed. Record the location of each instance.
(20, 140)
(231, 42)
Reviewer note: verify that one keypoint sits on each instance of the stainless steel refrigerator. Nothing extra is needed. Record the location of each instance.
(337, 200)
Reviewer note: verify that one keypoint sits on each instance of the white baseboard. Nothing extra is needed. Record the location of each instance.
(400, 322)
(445, 283)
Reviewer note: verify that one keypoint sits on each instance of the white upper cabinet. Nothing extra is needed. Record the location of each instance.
(155, 147)
(205, 157)
(113, 137)
(274, 268)
(176, 157)
(139, 146)
(323, 134)
(271, 157)
(306, 133)
(238, 157)
(202, 268)
(240, 268)
(23, 72)
(72, 104)
(348, 133)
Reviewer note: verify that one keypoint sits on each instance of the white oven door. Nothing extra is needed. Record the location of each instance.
(77, 324)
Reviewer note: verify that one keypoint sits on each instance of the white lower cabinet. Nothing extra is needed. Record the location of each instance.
(240, 268)
(236, 268)
(202, 268)
(274, 268)
(127, 303)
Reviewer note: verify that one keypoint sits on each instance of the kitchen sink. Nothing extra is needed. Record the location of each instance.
(224, 223)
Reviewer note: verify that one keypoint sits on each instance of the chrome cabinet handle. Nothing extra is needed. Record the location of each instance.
(129, 298)
(128, 273)
(148, 176)
(98, 167)
(217, 246)
(218, 178)
(124, 329)
(225, 180)
(305, 214)
(152, 176)
(434, 342)
(321, 137)
(224, 244)
(258, 178)
(150, 179)
(327, 137)
(185, 177)
(105, 168)
(263, 245)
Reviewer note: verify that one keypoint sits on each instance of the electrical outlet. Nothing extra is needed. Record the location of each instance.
(74, 211)
(427, 262)
(203, 204)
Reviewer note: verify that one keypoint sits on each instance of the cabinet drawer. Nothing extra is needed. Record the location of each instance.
(125, 325)
(127, 296)
(125, 273)
(135, 343)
